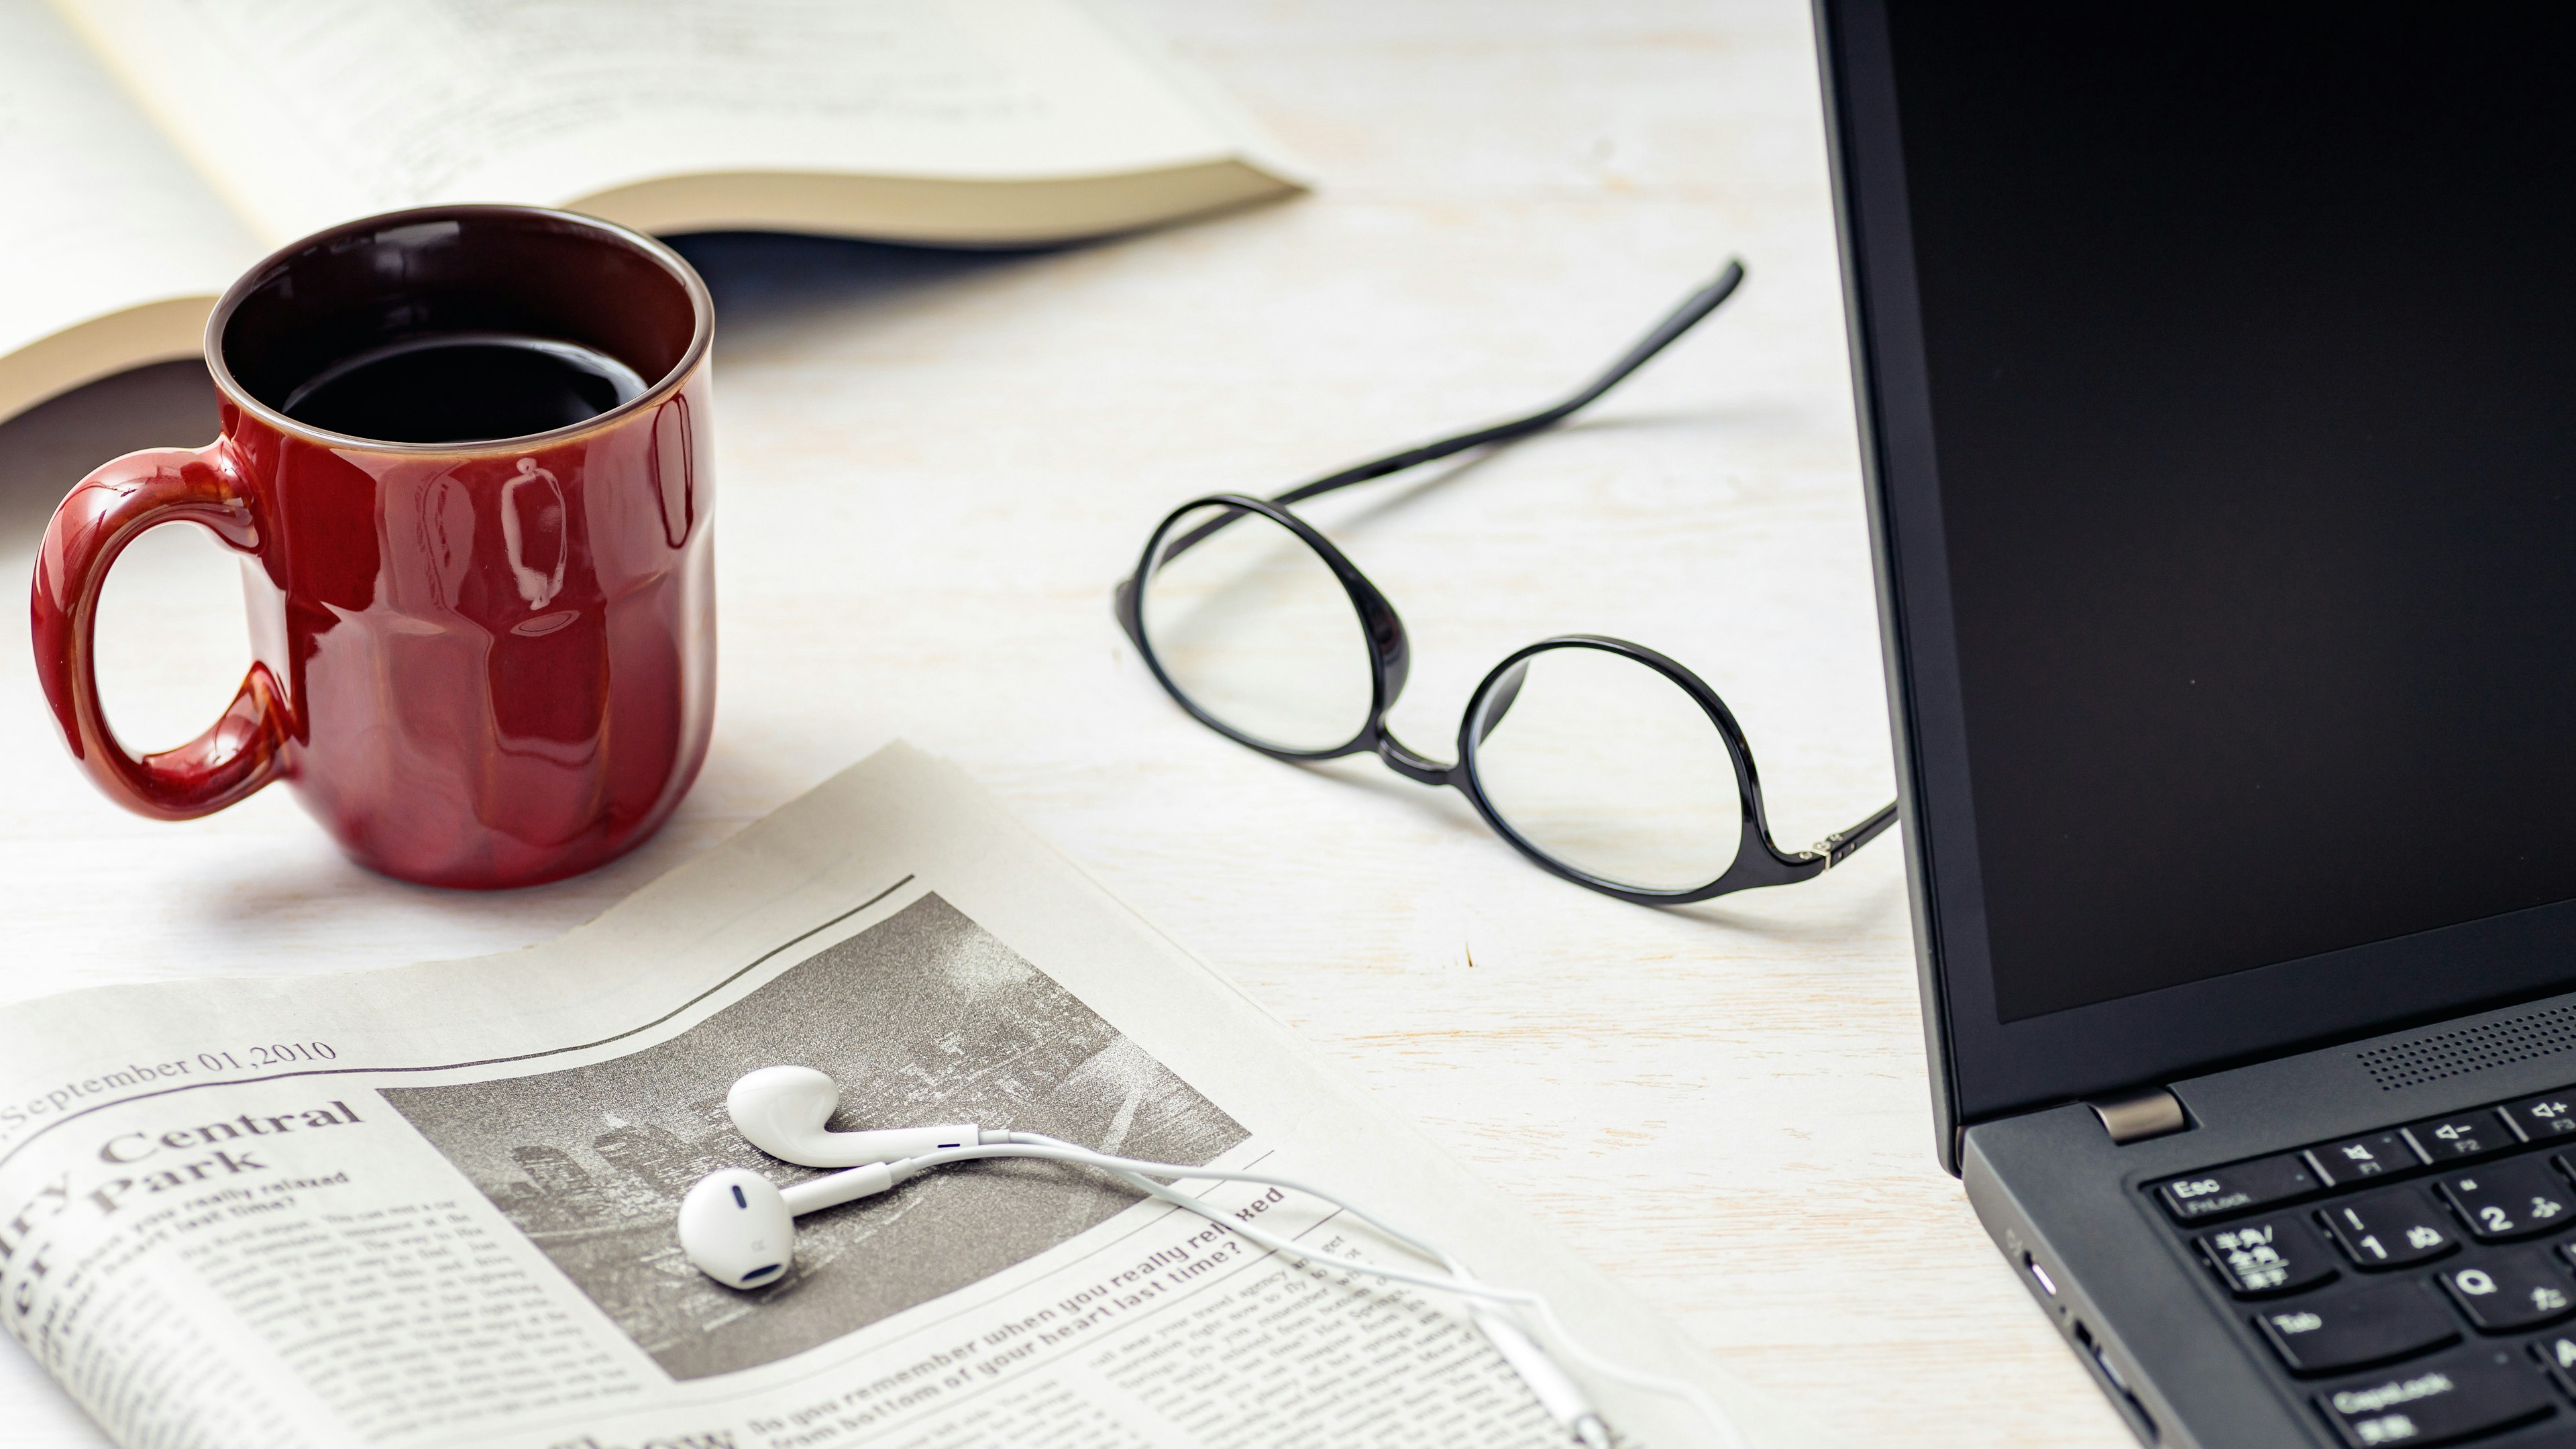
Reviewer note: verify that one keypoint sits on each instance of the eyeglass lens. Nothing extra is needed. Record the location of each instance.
(1597, 760)
(1253, 628)
(1607, 765)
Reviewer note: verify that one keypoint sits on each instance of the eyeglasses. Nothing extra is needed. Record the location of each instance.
(1603, 761)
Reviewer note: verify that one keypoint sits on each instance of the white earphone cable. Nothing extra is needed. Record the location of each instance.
(1457, 1279)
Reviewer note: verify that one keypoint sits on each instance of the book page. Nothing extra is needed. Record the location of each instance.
(308, 112)
(102, 215)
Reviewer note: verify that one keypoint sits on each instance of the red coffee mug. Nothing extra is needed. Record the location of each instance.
(479, 664)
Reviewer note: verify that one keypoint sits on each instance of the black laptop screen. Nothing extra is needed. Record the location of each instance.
(2251, 341)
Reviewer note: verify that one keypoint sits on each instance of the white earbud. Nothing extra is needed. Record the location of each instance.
(739, 1228)
(735, 1226)
(782, 1111)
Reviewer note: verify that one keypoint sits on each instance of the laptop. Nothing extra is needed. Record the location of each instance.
(2217, 368)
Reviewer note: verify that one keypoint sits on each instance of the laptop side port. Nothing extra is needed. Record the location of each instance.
(2117, 1386)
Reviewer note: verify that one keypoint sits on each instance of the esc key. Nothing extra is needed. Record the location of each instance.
(2237, 1187)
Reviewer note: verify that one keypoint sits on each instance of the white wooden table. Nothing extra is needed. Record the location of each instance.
(934, 466)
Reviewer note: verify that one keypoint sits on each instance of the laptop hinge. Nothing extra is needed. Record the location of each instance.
(2137, 1116)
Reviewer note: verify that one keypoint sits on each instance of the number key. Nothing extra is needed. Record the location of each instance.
(2454, 1139)
(2389, 1229)
(2510, 1200)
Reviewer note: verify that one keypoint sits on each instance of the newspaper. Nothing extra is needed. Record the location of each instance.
(435, 1205)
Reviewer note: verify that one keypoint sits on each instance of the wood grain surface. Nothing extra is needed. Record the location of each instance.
(934, 466)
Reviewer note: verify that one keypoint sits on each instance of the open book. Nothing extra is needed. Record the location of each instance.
(441, 1205)
(151, 150)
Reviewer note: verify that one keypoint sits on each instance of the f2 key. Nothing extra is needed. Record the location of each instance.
(2445, 1140)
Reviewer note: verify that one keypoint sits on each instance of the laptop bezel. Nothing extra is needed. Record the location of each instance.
(1981, 1066)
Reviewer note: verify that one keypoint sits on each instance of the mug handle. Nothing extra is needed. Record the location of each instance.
(110, 509)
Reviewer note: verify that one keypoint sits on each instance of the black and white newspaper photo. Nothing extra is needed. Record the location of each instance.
(439, 1205)
(591, 1162)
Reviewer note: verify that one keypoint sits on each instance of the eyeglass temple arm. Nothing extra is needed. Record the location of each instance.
(1683, 318)
(1837, 848)
(1688, 315)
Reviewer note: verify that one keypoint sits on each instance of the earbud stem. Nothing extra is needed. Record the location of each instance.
(853, 1149)
(822, 1192)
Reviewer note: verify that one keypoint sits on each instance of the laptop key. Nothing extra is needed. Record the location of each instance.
(2511, 1291)
(2456, 1139)
(2389, 1229)
(2510, 1200)
(2440, 1402)
(2557, 1353)
(2340, 1331)
(2358, 1159)
(2551, 1114)
(2268, 1257)
(2237, 1186)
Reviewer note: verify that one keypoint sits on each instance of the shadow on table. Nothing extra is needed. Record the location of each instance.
(1754, 913)
(761, 279)
(1743, 912)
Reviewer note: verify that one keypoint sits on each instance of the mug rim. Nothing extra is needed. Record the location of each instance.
(701, 332)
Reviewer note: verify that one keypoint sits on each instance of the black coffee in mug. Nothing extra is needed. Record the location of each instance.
(462, 387)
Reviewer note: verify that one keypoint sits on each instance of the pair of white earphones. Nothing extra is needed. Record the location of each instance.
(739, 1228)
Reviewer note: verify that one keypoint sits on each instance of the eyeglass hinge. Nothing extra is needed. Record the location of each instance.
(1822, 852)
(2137, 1116)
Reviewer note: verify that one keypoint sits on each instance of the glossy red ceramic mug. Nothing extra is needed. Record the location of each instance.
(479, 663)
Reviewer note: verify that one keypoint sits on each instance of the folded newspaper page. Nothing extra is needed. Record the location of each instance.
(435, 1205)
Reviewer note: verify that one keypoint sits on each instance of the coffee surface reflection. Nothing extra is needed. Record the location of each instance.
(463, 387)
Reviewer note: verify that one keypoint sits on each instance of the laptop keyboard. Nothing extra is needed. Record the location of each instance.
(2417, 1284)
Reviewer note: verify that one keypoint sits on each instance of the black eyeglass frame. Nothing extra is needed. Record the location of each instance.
(1758, 862)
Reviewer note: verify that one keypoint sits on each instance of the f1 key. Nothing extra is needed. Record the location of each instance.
(2381, 1154)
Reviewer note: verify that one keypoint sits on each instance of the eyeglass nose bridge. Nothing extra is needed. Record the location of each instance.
(1402, 759)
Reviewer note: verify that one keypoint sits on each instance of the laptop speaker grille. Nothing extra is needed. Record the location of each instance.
(2441, 1054)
